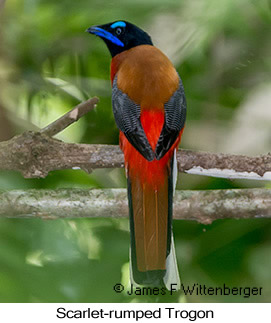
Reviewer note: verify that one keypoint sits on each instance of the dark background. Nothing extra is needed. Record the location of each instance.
(48, 64)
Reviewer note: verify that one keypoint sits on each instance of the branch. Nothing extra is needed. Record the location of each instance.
(201, 206)
(35, 154)
(70, 117)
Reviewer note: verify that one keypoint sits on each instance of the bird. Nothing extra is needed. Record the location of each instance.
(149, 108)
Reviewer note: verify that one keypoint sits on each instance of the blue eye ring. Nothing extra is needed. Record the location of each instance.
(118, 24)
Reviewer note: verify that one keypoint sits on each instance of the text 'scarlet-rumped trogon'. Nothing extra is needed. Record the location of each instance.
(150, 109)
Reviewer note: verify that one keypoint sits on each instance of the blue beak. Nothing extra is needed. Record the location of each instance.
(105, 34)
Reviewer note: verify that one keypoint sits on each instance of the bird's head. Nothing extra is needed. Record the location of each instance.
(120, 36)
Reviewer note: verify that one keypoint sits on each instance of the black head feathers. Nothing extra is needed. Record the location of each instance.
(120, 36)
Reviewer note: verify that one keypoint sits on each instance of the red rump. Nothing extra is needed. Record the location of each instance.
(153, 173)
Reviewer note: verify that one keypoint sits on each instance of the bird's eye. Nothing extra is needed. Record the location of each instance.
(118, 31)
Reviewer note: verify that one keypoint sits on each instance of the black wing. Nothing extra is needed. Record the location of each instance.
(127, 117)
(175, 115)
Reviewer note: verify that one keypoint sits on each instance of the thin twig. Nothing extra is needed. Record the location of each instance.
(201, 206)
(70, 117)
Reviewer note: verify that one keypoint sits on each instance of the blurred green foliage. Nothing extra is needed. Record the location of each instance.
(48, 64)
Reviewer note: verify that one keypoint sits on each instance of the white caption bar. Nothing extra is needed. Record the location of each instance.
(134, 312)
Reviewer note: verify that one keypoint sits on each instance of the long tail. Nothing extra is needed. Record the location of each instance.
(152, 252)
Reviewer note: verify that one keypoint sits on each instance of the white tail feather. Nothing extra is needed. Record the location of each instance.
(172, 278)
(172, 274)
(175, 171)
(132, 281)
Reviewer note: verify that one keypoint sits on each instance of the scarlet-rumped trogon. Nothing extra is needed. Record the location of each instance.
(149, 107)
